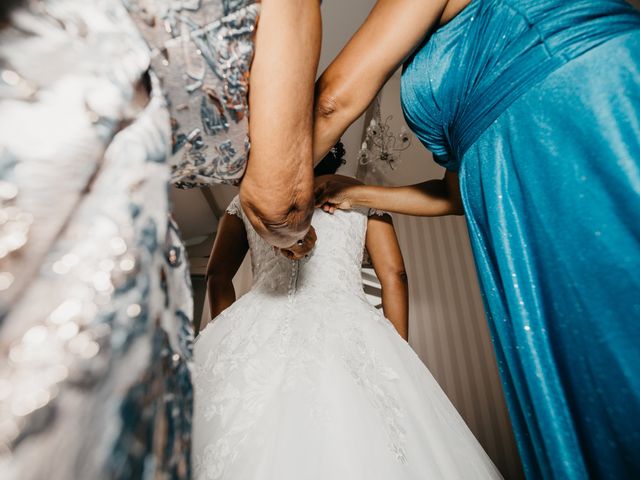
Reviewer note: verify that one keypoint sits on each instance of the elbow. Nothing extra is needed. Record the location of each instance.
(284, 224)
(326, 105)
(290, 223)
(332, 101)
(342, 96)
(280, 213)
(452, 192)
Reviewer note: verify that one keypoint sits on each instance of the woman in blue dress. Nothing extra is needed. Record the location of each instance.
(533, 108)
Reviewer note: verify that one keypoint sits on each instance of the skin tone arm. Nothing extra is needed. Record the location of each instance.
(391, 32)
(384, 250)
(277, 190)
(388, 36)
(433, 198)
(230, 248)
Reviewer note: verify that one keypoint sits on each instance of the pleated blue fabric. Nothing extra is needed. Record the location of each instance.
(536, 103)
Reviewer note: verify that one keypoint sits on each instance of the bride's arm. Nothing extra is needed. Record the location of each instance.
(384, 250)
(391, 32)
(277, 190)
(229, 250)
(433, 198)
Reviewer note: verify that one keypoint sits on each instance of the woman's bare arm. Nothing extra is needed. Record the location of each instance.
(229, 250)
(391, 32)
(277, 190)
(384, 250)
(433, 198)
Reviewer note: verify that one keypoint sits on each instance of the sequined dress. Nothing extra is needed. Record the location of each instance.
(202, 51)
(536, 103)
(302, 378)
(95, 303)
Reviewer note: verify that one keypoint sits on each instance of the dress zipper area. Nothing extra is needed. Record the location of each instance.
(293, 281)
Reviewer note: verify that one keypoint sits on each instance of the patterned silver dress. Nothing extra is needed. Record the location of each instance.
(202, 51)
(95, 301)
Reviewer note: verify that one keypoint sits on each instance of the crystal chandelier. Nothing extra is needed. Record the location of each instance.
(381, 146)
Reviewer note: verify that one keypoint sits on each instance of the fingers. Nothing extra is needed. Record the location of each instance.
(333, 195)
(326, 193)
(320, 195)
(324, 198)
(329, 208)
(301, 249)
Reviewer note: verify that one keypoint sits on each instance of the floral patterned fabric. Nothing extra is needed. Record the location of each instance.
(202, 52)
(95, 300)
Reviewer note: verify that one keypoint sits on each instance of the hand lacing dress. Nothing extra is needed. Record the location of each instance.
(302, 378)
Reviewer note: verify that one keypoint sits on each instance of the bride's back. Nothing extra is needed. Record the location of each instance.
(332, 266)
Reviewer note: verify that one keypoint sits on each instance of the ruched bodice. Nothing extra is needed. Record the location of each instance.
(471, 69)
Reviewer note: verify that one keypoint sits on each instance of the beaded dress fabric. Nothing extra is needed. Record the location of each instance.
(302, 378)
(95, 301)
(202, 52)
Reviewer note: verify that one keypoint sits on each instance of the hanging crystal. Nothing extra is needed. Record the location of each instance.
(381, 146)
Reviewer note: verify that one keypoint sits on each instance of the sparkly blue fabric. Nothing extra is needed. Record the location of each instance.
(536, 103)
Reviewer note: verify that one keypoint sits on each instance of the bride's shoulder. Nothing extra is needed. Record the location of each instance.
(235, 207)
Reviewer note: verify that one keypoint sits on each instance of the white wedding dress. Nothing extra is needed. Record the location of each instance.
(302, 379)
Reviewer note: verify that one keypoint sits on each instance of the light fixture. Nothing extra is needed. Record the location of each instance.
(381, 147)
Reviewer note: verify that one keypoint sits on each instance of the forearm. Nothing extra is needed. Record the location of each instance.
(433, 198)
(277, 191)
(395, 304)
(345, 90)
(386, 257)
(338, 105)
(348, 86)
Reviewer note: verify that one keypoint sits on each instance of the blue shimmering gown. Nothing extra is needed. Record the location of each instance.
(536, 103)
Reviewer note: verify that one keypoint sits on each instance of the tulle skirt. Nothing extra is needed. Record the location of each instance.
(305, 387)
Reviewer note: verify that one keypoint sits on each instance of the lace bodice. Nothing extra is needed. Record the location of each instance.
(334, 265)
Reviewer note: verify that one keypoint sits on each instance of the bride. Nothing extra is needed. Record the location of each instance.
(302, 379)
